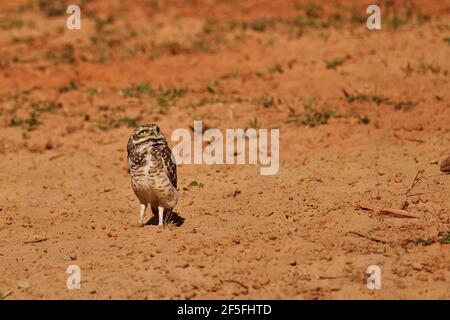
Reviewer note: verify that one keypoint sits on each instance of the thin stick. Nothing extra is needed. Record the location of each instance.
(36, 241)
(6, 294)
(390, 212)
(359, 234)
(416, 179)
(239, 283)
(56, 157)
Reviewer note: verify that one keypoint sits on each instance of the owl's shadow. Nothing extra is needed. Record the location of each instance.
(176, 219)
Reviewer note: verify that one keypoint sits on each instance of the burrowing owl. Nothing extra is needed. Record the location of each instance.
(153, 172)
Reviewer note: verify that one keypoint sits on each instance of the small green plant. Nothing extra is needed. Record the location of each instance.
(365, 98)
(24, 39)
(15, 122)
(334, 63)
(107, 123)
(66, 55)
(261, 25)
(267, 101)
(40, 106)
(447, 41)
(163, 105)
(313, 10)
(429, 67)
(156, 3)
(231, 75)
(128, 122)
(173, 93)
(365, 119)
(405, 105)
(52, 8)
(94, 90)
(11, 23)
(276, 68)
(72, 85)
(196, 184)
(311, 116)
(446, 238)
(395, 22)
(142, 88)
(210, 89)
(357, 17)
(408, 70)
(424, 242)
(254, 123)
(103, 107)
(33, 122)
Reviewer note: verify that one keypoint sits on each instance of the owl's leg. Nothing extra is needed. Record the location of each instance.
(142, 213)
(160, 215)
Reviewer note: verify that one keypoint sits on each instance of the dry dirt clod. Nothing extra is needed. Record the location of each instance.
(445, 165)
(23, 284)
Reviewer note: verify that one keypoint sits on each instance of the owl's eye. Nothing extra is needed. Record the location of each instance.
(143, 133)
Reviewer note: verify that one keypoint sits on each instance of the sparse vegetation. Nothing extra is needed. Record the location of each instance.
(267, 101)
(23, 39)
(404, 105)
(424, 242)
(196, 184)
(334, 63)
(364, 119)
(142, 88)
(445, 237)
(408, 70)
(65, 56)
(31, 123)
(254, 123)
(107, 122)
(11, 23)
(72, 85)
(276, 68)
(52, 8)
(310, 116)
(365, 98)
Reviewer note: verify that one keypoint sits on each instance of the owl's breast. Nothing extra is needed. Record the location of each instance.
(151, 184)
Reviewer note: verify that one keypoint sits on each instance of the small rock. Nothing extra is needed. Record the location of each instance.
(445, 166)
(417, 266)
(256, 286)
(23, 284)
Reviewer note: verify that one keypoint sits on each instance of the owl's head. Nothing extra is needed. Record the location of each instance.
(148, 134)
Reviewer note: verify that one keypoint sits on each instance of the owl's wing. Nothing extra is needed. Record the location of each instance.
(170, 167)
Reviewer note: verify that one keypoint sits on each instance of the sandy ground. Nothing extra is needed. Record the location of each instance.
(379, 131)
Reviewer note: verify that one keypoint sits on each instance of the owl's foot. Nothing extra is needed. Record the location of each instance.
(140, 224)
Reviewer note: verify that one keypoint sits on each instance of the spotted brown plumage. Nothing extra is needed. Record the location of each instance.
(153, 172)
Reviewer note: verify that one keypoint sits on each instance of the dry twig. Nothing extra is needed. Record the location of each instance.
(36, 241)
(390, 212)
(359, 234)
